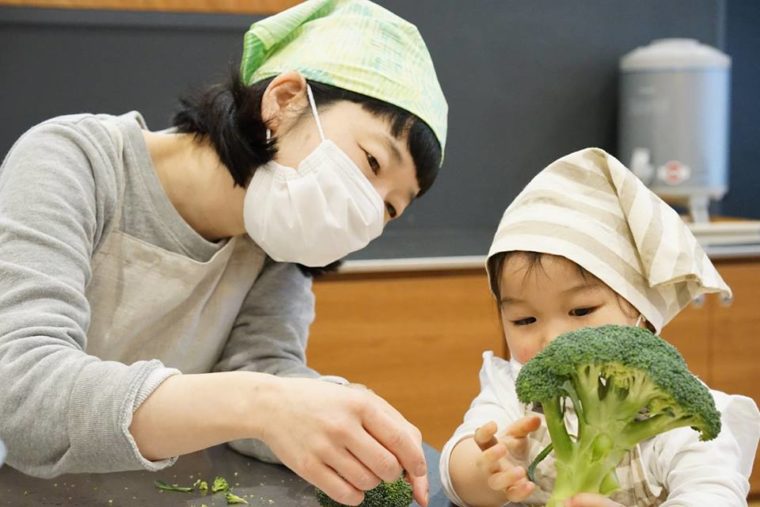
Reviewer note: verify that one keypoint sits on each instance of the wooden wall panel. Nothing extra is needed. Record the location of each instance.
(735, 353)
(208, 6)
(689, 332)
(416, 341)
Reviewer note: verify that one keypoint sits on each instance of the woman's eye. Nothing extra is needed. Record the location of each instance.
(581, 312)
(391, 210)
(373, 164)
(524, 322)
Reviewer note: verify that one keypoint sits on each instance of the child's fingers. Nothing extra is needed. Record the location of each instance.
(485, 436)
(501, 481)
(519, 491)
(493, 458)
(517, 447)
(522, 427)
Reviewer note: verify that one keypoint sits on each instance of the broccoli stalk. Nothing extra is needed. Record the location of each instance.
(387, 494)
(626, 385)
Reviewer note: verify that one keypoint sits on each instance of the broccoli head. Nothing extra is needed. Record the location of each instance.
(387, 494)
(625, 385)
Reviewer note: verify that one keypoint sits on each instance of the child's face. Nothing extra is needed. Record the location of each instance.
(540, 302)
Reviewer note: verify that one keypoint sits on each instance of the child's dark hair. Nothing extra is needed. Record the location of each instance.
(496, 265)
(228, 115)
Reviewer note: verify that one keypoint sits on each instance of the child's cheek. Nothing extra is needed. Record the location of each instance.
(524, 352)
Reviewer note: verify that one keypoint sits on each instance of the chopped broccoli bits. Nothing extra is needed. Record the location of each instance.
(233, 498)
(626, 385)
(387, 494)
(163, 486)
(220, 485)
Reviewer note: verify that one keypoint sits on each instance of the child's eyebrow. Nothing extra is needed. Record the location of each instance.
(586, 286)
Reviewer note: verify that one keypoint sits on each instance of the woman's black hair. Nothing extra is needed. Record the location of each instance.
(228, 115)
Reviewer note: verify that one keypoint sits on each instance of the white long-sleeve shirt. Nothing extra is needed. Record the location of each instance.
(694, 473)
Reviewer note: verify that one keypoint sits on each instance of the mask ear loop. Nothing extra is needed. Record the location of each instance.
(639, 320)
(313, 104)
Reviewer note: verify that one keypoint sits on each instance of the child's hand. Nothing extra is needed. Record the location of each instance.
(591, 500)
(504, 460)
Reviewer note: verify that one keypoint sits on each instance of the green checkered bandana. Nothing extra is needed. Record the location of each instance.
(351, 44)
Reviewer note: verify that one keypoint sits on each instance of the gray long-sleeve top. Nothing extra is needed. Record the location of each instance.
(62, 410)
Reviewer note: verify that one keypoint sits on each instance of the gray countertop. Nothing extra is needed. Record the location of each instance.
(715, 252)
(261, 484)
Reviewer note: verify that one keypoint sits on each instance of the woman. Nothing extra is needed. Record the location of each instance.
(128, 256)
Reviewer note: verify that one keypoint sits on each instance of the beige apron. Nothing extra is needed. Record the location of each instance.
(149, 303)
(635, 490)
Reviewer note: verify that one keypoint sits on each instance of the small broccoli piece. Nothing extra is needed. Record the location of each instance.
(219, 484)
(387, 494)
(201, 486)
(163, 486)
(233, 498)
(626, 385)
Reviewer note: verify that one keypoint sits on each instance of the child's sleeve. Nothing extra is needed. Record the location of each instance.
(716, 472)
(497, 401)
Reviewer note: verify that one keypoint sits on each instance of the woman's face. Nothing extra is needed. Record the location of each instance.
(541, 301)
(366, 139)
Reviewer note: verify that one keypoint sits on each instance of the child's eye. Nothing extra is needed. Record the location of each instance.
(391, 210)
(524, 322)
(373, 163)
(581, 312)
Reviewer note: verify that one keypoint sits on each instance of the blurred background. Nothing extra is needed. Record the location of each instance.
(527, 81)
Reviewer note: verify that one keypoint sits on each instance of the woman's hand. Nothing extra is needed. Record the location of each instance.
(590, 500)
(344, 441)
(503, 461)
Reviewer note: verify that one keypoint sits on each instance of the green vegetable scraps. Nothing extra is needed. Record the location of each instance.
(388, 494)
(625, 385)
(220, 485)
(163, 486)
(233, 498)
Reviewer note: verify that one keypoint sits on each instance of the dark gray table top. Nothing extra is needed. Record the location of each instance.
(261, 484)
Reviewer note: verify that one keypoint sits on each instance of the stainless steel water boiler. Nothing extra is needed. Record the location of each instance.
(673, 129)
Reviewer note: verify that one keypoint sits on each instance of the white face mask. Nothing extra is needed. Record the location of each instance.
(316, 214)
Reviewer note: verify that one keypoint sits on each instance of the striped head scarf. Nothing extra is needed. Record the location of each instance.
(590, 209)
(351, 44)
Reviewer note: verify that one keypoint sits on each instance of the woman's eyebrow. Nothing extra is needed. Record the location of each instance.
(388, 141)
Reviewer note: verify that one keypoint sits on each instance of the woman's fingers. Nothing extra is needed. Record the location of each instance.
(400, 438)
(420, 488)
(334, 486)
(342, 440)
(353, 470)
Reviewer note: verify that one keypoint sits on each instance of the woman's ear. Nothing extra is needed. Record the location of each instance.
(285, 95)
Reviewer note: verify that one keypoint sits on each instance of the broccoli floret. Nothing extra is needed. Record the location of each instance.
(386, 494)
(233, 499)
(219, 484)
(626, 385)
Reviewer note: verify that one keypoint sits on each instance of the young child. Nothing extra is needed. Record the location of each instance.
(587, 244)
